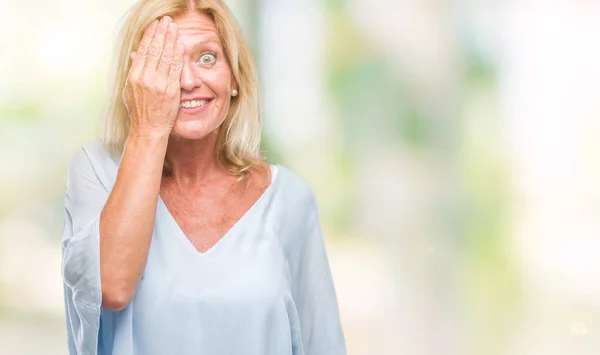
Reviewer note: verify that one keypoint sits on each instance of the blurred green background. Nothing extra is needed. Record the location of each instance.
(452, 146)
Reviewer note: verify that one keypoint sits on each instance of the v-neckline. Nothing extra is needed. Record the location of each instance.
(188, 243)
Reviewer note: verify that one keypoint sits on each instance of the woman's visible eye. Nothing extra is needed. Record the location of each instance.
(208, 58)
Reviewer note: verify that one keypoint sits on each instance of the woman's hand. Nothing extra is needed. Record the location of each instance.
(152, 90)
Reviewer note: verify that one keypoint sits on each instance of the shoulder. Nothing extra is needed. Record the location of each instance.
(94, 153)
(294, 189)
(92, 159)
(297, 212)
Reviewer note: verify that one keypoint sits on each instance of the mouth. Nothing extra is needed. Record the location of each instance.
(194, 105)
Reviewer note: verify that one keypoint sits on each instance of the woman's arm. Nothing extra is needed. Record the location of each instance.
(127, 220)
(312, 284)
(108, 231)
(108, 221)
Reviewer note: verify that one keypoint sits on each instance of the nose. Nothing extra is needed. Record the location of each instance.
(189, 78)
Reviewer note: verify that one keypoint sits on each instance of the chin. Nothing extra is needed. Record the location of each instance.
(195, 129)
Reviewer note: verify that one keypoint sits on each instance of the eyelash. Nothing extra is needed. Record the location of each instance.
(205, 53)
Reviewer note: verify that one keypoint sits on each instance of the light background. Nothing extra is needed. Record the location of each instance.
(453, 147)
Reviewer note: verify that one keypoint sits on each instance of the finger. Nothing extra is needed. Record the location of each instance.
(157, 44)
(142, 51)
(166, 59)
(177, 64)
(132, 56)
(147, 37)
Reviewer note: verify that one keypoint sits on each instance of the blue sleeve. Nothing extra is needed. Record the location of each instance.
(84, 199)
(312, 285)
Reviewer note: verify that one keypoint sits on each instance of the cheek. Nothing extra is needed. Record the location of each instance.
(217, 79)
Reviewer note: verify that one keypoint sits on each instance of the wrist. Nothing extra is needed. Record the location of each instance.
(147, 140)
(148, 134)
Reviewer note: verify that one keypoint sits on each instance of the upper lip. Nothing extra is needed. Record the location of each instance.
(196, 98)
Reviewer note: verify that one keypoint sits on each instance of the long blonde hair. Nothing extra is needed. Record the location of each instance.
(238, 142)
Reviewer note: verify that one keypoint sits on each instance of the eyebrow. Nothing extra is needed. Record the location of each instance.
(204, 43)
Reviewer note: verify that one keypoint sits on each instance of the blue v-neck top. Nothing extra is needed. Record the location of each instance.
(264, 289)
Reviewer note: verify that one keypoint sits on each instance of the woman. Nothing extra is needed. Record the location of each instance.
(178, 239)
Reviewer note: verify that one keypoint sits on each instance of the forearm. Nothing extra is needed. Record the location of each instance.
(127, 219)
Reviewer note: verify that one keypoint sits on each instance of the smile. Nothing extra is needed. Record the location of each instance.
(194, 106)
(193, 103)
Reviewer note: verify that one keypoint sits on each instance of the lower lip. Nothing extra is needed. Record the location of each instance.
(195, 109)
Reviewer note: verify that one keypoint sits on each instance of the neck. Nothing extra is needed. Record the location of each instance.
(192, 161)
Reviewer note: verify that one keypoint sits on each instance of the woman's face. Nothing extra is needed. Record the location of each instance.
(206, 79)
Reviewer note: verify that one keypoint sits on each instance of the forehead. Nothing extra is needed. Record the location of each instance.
(194, 27)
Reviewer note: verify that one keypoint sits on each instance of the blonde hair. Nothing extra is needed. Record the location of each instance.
(238, 142)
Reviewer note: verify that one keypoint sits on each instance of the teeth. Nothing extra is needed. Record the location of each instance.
(193, 103)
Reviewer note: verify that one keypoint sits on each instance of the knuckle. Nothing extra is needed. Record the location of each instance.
(163, 66)
(167, 58)
(154, 51)
(158, 87)
(132, 81)
(143, 48)
(176, 66)
(146, 83)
